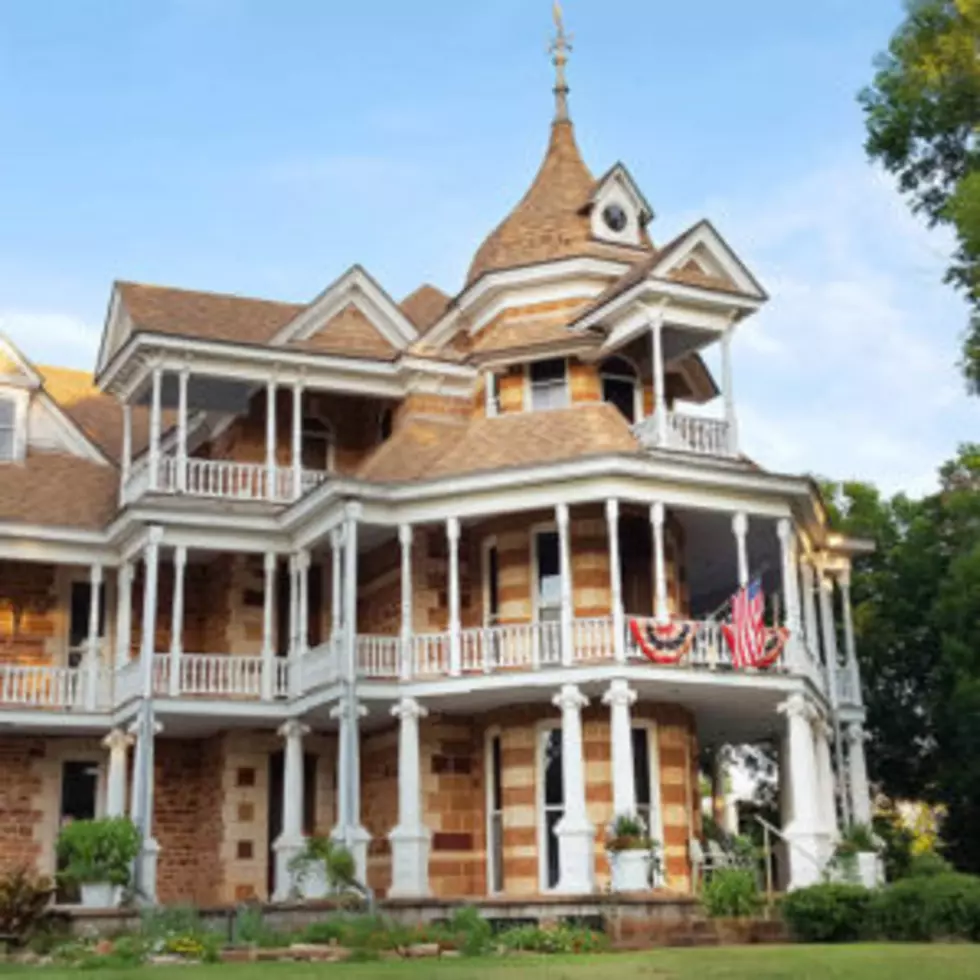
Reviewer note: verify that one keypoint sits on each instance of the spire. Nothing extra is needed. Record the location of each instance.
(559, 49)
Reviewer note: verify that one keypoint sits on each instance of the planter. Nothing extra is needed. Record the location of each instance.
(99, 895)
(869, 869)
(630, 870)
(312, 884)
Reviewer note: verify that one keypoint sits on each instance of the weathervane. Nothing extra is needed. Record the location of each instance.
(559, 49)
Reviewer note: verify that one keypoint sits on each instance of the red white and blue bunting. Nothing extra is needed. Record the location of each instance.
(772, 650)
(663, 643)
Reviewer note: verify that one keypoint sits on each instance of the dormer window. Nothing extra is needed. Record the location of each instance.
(548, 384)
(620, 387)
(318, 444)
(8, 429)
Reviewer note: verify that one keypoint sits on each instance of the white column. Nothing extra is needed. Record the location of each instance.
(118, 743)
(303, 603)
(620, 698)
(455, 655)
(353, 512)
(740, 528)
(810, 609)
(177, 620)
(126, 463)
(615, 581)
(850, 649)
(124, 613)
(829, 630)
(349, 831)
(92, 638)
(142, 808)
(405, 540)
(336, 572)
(410, 839)
(155, 408)
(290, 842)
(269, 565)
(151, 556)
(823, 733)
(297, 439)
(661, 606)
(858, 771)
(794, 657)
(182, 379)
(659, 382)
(565, 578)
(490, 394)
(575, 834)
(272, 490)
(799, 787)
(727, 389)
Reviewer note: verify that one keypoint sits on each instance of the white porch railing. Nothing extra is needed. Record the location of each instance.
(42, 686)
(848, 686)
(686, 433)
(378, 656)
(220, 675)
(223, 479)
(317, 667)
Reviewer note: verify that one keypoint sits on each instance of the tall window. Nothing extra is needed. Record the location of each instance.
(317, 444)
(8, 428)
(554, 801)
(619, 386)
(641, 778)
(549, 387)
(548, 575)
(81, 597)
(495, 804)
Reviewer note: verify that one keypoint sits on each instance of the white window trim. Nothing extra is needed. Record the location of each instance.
(67, 577)
(636, 381)
(331, 437)
(656, 802)
(486, 545)
(494, 731)
(544, 527)
(21, 400)
(541, 732)
(529, 387)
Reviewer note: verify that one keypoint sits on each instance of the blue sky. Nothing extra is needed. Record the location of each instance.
(261, 148)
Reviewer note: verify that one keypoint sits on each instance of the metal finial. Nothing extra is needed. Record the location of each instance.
(559, 50)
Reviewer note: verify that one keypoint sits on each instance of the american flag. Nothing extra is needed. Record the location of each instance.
(746, 635)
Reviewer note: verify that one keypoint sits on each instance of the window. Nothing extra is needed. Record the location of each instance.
(8, 429)
(81, 593)
(553, 801)
(491, 597)
(619, 386)
(385, 424)
(317, 444)
(495, 823)
(548, 599)
(548, 385)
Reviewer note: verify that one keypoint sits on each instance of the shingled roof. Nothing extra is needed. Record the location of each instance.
(424, 306)
(551, 220)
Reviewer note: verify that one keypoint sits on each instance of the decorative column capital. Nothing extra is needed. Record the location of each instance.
(135, 728)
(404, 535)
(612, 510)
(452, 529)
(619, 694)
(784, 529)
(293, 728)
(826, 583)
(408, 709)
(856, 735)
(797, 706)
(844, 578)
(353, 510)
(561, 515)
(740, 524)
(570, 698)
(658, 514)
(180, 555)
(341, 712)
(117, 740)
(269, 561)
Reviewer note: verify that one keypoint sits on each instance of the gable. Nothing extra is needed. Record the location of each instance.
(350, 332)
(15, 369)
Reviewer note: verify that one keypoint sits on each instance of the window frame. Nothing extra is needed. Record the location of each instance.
(656, 831)
(529, 385)
(331, 439)
(18, 398)
(543, 733)
(633, 380)
(494, 733)
(547, 527)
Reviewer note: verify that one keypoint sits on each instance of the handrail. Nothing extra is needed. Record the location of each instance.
(771, 829)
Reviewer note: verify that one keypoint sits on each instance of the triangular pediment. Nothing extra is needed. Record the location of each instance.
(15, 369)
(353, 316)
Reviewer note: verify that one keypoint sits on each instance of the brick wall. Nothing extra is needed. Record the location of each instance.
(379, 802)
(21, 805)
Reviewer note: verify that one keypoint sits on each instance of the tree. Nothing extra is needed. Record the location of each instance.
(923, 121)
(917, 620)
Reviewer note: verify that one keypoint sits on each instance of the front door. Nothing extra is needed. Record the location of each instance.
(79, 790)
(636, 558)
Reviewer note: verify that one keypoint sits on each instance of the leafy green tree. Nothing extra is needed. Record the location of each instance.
(917, 620)
(923, 121)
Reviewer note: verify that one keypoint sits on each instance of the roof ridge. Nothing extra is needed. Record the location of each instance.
(207, 292)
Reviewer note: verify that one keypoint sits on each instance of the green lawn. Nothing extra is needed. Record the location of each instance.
(865, 962)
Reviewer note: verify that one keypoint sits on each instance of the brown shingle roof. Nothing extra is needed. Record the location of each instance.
(98, 415)
(514, 334)
(348, 333)
(550, 221)
(58, 489)
(424, 306)
(210, 316)
(428, 449)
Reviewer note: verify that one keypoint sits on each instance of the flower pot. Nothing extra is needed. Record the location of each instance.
(313, 881)
(869, 869)
(99, 895)
(630, 870)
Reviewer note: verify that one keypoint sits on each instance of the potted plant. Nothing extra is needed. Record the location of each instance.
(97, 855)
(857, 856)
(323, 868)
(631, 853)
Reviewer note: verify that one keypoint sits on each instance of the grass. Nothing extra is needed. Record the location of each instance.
(859, 962)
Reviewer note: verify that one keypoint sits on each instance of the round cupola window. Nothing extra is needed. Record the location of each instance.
(614, 217)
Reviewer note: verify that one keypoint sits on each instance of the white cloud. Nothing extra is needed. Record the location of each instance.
(52, 338)
(850, 370)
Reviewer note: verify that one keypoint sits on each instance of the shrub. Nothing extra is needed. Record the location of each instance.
(938, 906)
(628, 832)
(23, 903)
(469, 932)
(732, 893)
(337, 862)
(98, 851)
(828, 913)
(564, 939)
(927, 864)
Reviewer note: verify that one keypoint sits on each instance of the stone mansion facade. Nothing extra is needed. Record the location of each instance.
(382, 570)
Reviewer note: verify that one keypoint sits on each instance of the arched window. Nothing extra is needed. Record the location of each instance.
(619, 386)
(318, 444)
